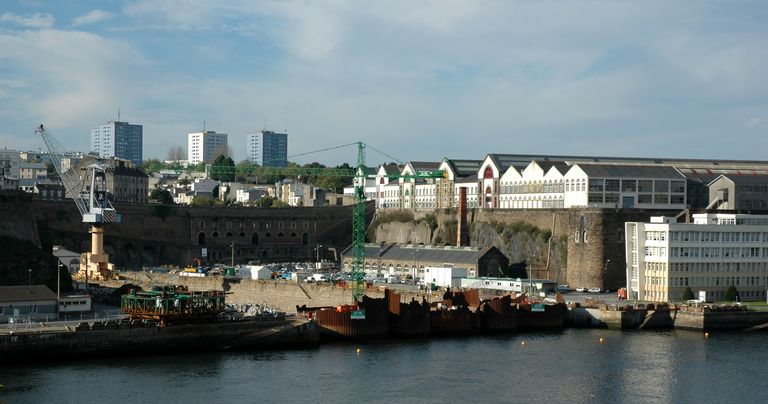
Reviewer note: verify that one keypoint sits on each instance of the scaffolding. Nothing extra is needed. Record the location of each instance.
(168, 303)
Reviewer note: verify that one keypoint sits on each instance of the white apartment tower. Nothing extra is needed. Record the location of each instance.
(204, 147)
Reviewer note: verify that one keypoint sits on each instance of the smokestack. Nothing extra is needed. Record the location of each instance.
(462, 238)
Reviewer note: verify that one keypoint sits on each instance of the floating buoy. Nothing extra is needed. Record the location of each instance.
(522, 343)
(601, 340)
(358, 350)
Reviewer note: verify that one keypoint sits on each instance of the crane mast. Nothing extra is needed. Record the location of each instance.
(93, 205)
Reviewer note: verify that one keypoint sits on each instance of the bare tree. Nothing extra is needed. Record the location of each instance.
(176, 153)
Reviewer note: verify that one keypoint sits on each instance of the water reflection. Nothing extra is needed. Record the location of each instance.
(572, 366)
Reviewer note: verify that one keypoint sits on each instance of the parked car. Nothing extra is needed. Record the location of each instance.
(563, 289)
(581, 290)
(594, 290)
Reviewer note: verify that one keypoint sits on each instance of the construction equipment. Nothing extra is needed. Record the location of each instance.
(93, 205)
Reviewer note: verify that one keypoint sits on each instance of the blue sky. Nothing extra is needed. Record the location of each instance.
(419, 80)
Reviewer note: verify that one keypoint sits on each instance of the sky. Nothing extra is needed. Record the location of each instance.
(415, 80)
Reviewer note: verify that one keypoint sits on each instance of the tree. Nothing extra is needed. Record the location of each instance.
(731, 294)
(688, 294)
(175, 153)
(161, 195)
(223, 169)
(203, 201)
(152, 166)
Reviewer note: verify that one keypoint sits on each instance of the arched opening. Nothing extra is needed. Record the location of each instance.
(201, 238)
(268, 235)
(305, 238)
(242, 235)
(488, 174)
(280, 235)
(229, 234)
(255, 238)
(488, 197)
(293, 234)
(264, 254)
(215, 234)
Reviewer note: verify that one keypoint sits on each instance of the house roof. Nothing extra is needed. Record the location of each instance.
(25, 293)
(744, 179)
(424, 165)
(464, 168)
(629, 171)
(546, 165)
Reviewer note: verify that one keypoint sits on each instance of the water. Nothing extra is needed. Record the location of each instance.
(572, 366)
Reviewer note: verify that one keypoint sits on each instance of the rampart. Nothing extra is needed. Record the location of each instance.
(153, 235)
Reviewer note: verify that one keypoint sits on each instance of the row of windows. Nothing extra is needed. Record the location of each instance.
(713, 252)
(716, 237)
(257, 225)
(717, 267)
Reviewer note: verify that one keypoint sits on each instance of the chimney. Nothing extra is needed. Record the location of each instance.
(462, 238)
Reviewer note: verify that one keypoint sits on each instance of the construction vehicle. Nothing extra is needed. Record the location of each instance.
(94, 207)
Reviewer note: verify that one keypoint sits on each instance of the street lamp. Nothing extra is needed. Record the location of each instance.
(58, 280)
(30, 276)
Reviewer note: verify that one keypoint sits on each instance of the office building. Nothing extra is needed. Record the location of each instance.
(204, 147)
(716, 251)
(268, 149)
(122, 140)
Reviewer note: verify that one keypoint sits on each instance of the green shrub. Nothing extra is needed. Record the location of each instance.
(688, 294)
(731, 294)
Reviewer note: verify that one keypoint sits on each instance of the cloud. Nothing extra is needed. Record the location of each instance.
(36, 20)
(92, 17)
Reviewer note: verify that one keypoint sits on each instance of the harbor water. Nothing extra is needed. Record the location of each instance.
(573, 366)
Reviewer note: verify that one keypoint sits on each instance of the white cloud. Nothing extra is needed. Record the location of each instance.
(92, 17)
(36, 20)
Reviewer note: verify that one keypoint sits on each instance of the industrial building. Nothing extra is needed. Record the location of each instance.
(716, 251)
(408, 259)
(28, 302)
(118, 139)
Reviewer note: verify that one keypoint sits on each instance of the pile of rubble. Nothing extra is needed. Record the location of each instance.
(249, 311)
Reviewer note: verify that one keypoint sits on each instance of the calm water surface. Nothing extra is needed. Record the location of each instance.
(572, 366)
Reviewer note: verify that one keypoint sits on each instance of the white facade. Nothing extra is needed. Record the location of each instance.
(446, 277)
(205, 146)
(509, 284)
(711, 254)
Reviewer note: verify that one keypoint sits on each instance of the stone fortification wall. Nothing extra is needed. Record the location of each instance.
(16, 211)
(587, 245)
(153, 235)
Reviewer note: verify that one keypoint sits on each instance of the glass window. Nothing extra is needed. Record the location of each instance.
(677, 186)
(645, 186)
(661, 186)
(596, 185)
(611, 185)
(628, 185)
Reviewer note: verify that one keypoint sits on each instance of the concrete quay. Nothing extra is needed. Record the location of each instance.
(653, 317)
